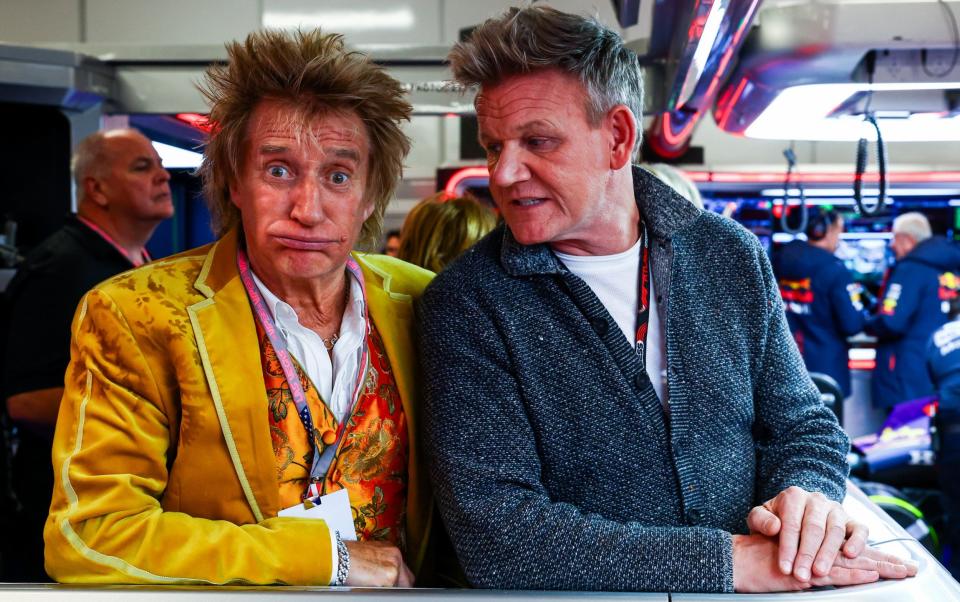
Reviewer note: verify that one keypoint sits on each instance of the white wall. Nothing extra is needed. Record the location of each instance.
(36, 21)
(172, 22)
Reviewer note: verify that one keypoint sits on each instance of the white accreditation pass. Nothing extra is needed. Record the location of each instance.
(334, 508)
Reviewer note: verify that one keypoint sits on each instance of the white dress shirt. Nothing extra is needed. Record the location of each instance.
(335, 380)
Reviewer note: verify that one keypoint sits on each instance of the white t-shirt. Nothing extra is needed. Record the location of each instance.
(615, 280)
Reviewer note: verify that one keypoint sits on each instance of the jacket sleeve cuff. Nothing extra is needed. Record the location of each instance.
(334, 557)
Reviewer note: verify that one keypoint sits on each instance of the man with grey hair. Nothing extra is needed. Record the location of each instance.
(123, 193)
(915, 303)
(608, 395)
(909, 230)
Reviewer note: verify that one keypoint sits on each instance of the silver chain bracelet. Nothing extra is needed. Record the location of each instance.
(343, 569)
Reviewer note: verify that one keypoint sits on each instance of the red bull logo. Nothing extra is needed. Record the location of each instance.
(797, 295)
(949, 286)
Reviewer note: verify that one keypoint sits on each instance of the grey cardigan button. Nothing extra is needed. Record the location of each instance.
(600, 326)
(641, 379)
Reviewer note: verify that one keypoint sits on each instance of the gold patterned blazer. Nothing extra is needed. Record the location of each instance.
(163, 462)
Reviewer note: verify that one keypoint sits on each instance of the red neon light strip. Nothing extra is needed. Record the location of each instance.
(721, 71)
(684, 134)
(725, 107)
(905, 177)
(201, 122)
(466, 173)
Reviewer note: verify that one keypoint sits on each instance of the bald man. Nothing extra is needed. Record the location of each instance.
(123, 193)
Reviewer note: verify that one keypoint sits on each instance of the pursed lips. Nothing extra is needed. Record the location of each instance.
(305, 244)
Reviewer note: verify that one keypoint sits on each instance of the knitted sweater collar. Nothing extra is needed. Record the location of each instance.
(664, 211)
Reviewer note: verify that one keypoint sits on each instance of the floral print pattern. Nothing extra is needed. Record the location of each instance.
(371, 463)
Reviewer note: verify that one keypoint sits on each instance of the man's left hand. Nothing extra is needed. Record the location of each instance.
(812, 530)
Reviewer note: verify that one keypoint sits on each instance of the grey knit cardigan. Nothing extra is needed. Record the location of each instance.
(554, 465)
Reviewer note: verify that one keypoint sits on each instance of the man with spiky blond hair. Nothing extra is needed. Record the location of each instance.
(245, 412)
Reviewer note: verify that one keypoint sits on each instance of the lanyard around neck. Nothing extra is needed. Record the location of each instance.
(643, 310)
(321, 461)
(144, 255)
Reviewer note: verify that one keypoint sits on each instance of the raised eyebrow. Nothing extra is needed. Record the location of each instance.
(273, 149)
(347, 153)
(340, 153)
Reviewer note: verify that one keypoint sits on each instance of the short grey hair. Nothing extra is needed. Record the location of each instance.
(913, 224)
(523, 40)
(89, 159)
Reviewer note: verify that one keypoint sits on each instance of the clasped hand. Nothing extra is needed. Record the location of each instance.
(800, 539)
(377, 564)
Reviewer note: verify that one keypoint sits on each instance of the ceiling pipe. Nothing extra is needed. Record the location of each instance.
(701, 60)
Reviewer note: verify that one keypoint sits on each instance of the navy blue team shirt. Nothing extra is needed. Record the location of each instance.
(943, 361)
(823, 306)
(915, 303)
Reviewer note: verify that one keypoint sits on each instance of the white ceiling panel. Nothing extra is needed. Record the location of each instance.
(170, 22)
(39, 21)
(361, 21)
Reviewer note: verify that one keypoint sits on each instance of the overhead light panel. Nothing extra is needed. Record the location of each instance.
(803, 113)
(174, 157)
(343, 20)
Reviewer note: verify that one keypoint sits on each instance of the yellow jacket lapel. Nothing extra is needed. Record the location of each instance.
(230, 353)
(392, 312)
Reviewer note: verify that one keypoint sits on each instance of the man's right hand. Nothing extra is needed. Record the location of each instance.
(376, 564)
(755, 567)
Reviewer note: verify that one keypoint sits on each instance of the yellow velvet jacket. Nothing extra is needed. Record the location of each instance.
(163, 462)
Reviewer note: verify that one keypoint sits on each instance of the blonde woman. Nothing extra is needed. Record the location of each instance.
(439, 229)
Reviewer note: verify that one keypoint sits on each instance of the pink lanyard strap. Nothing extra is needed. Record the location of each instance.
(144, 255)
(321, 461)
